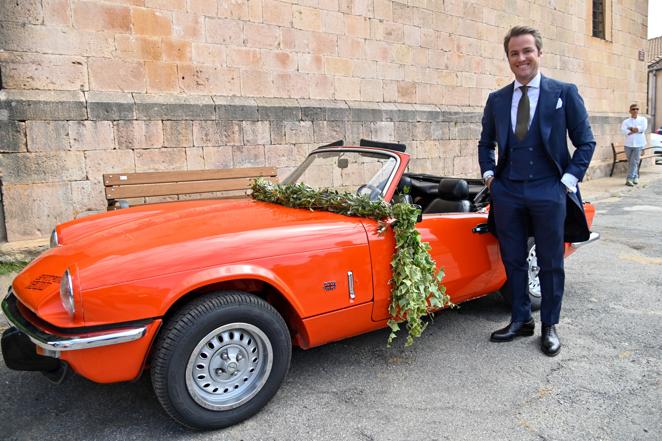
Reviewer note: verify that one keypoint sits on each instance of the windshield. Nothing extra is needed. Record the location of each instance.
(364, 173)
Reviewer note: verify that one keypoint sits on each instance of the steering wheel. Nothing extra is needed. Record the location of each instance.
(374, 191)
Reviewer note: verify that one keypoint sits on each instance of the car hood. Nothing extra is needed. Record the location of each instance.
(153, 240)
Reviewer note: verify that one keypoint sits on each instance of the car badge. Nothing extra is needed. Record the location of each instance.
(43, 281)
(329, 286)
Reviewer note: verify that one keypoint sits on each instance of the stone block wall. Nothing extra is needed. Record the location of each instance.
(93, 86)
(56, 147)
(440, 52)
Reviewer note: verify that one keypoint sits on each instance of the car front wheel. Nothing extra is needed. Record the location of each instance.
(533, 280)
(220, 359)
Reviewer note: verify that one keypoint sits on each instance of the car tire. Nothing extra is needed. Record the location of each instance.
(534, 281)
(220, 359)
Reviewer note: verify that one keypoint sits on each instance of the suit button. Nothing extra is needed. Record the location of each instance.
(530, 149)
(530, 176)
(530, 162)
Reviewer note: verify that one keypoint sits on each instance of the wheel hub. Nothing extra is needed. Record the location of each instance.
(229, 366)
(229, 361)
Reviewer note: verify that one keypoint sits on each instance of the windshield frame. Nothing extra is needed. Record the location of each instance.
(385, 153)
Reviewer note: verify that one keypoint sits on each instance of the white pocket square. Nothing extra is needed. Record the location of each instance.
(559, 103)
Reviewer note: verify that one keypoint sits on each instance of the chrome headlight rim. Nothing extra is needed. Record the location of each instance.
(67, 293)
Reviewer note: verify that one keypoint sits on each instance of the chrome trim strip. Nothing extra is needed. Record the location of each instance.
(54, 240)
(350, 283)
(51, 342)
(593, 237)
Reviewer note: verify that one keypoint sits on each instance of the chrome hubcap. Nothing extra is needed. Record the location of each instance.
(229, 366)
(534, 269)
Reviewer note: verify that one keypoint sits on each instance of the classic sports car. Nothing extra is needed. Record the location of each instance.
(210, 295)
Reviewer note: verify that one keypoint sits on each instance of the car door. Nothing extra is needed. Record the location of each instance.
(468, 255)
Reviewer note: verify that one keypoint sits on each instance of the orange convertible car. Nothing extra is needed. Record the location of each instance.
(210, 295)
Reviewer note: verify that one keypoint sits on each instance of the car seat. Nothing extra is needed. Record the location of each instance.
(452, 197)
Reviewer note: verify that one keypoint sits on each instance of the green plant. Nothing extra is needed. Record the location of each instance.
(416, 288)
(11, 267)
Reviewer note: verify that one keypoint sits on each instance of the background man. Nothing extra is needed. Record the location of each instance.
(534, 184)
(634, 129)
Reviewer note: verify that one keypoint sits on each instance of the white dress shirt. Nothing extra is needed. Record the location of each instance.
(533, 92)
(635, 139)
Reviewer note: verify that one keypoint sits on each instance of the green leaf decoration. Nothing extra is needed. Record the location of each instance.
(416, 288)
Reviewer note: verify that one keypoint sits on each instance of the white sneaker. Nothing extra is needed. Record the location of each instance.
(629, 183)
(635, 181)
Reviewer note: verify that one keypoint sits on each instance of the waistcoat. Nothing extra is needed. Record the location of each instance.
(527, 159)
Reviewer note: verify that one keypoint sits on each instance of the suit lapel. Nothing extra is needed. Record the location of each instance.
(547, 100)
(503, 122)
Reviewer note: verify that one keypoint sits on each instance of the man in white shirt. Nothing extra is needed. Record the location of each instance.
(634, 129)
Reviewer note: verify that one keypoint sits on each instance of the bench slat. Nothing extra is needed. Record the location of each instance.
(185, 176)
(177, 188)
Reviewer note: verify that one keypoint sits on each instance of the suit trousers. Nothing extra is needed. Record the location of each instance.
(532, 208)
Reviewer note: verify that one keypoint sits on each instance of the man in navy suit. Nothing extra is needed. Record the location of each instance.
(534, 183)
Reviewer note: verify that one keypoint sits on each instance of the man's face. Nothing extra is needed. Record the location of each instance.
(634, 111)
(524, 57)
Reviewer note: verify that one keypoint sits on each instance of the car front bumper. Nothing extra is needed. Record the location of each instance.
(56, 343)
(100, 354)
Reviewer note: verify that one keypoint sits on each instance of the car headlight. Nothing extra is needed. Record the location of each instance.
(67, 293)
(54, 240)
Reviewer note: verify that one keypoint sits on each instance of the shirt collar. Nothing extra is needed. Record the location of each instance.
(534, 83)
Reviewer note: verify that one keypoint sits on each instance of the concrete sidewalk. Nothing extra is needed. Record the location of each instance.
(599, 189)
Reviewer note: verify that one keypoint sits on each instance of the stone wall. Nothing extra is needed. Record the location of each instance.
(91, 87)
(440, 52)
(57, 145)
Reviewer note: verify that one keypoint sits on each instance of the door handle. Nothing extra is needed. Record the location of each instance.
(480, 229)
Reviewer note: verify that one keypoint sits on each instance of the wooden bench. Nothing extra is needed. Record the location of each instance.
(122, 186)
(619, 155)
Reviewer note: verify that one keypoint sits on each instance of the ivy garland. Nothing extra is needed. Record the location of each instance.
(416, 286)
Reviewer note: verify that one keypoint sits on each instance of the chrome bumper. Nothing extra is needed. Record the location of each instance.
(594, 236)
(57, 343)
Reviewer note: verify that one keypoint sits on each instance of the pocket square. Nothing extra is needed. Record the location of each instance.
(559, 103)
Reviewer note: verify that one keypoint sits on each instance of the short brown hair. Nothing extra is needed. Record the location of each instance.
(633, 105)
(522, 30)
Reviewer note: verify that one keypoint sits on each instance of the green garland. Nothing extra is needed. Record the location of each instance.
(416, 287)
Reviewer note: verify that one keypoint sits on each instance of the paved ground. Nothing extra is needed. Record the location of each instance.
(452, 384)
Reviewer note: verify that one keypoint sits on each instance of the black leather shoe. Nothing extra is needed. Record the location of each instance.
(549, 341)
(514, 329)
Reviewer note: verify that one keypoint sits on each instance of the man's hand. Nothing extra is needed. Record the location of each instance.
(488, 182)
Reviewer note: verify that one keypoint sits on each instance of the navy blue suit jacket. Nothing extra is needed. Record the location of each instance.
(557, 123)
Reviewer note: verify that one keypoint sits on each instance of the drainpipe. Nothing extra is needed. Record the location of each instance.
(652, 101)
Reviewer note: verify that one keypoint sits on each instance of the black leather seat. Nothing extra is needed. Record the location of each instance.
(452, 197)
(403, 191)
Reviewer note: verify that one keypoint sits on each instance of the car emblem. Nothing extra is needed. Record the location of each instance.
(329, 286)
(43, 281)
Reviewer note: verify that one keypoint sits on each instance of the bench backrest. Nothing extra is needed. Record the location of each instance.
(171, 183)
